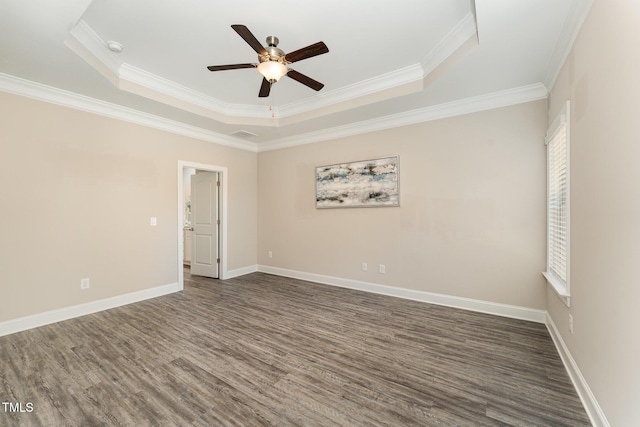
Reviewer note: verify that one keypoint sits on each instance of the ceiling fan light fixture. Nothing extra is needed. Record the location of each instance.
(272, 70)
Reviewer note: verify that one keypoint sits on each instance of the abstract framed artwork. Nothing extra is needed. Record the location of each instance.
(365, 183)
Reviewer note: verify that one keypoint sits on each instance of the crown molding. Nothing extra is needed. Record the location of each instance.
(577, 14)
(490, 101)
(363, 88)
(41, 92)
(453, 41)
(132, 78)
(84, 35)
(85, 42)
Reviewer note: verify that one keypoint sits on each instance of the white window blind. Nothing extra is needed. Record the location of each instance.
(558, 204)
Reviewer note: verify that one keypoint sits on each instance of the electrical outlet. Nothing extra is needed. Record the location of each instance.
(270, 254)
(364, 266)
(382, 269)
(570, 323)
(85, 283)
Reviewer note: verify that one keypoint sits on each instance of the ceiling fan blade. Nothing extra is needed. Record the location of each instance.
(230, 67)
(307, 81)
(307, 52)
(248, 36)
(265, 88)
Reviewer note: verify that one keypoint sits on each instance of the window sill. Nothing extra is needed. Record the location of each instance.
(559, 287)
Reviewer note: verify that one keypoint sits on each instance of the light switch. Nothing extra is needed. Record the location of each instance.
(154, 221)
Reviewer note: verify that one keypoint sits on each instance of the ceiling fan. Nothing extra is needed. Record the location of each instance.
(273, 61)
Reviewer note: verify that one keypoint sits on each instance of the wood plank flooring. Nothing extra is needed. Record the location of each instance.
(265, 350)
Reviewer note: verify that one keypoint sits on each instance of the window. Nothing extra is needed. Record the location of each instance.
(557, 142)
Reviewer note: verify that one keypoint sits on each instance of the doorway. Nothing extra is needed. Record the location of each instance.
(184, 169)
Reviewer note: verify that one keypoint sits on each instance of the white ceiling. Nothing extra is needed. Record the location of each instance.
(389, 63)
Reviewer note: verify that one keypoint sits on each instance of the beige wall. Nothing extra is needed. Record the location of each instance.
(601, 78)
(77, 194)
(472, 216)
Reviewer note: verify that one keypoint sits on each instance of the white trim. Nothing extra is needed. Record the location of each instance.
(393, 79)
(488, 307)
(53, 316)
(561, 119)
(559, 288)
(242, 271)
(594, 411)
(86, 43)
(224, 218)
(490, 101)
(68, 99)
(572, 24)
(87, 104)
(228, 113)
(453, 41)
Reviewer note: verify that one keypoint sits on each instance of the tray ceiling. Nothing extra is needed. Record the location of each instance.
(388, 63)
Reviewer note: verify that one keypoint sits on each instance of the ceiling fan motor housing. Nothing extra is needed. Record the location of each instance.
(273, 52)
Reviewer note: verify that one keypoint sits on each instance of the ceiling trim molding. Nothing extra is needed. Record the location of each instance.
(453, 41)
(363, 88)
(457, 37)
(85, 42)
(130, 74)
(41, 92)
(85, 35)
(474, 104)
(572, 24)
(92, 49)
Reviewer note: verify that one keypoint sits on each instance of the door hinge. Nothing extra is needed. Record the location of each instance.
(218, 222)
(218, 260)
(218, 183)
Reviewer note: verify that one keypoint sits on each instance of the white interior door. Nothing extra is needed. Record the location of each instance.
(205, 258)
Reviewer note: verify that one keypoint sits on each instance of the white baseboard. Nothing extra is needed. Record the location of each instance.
(505, 310)
(595, 413)
(53, 316)
(241, 271)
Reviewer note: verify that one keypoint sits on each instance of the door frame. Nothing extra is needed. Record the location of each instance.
(182, 164)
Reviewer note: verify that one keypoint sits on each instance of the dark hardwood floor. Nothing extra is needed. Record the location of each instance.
(266, 350)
